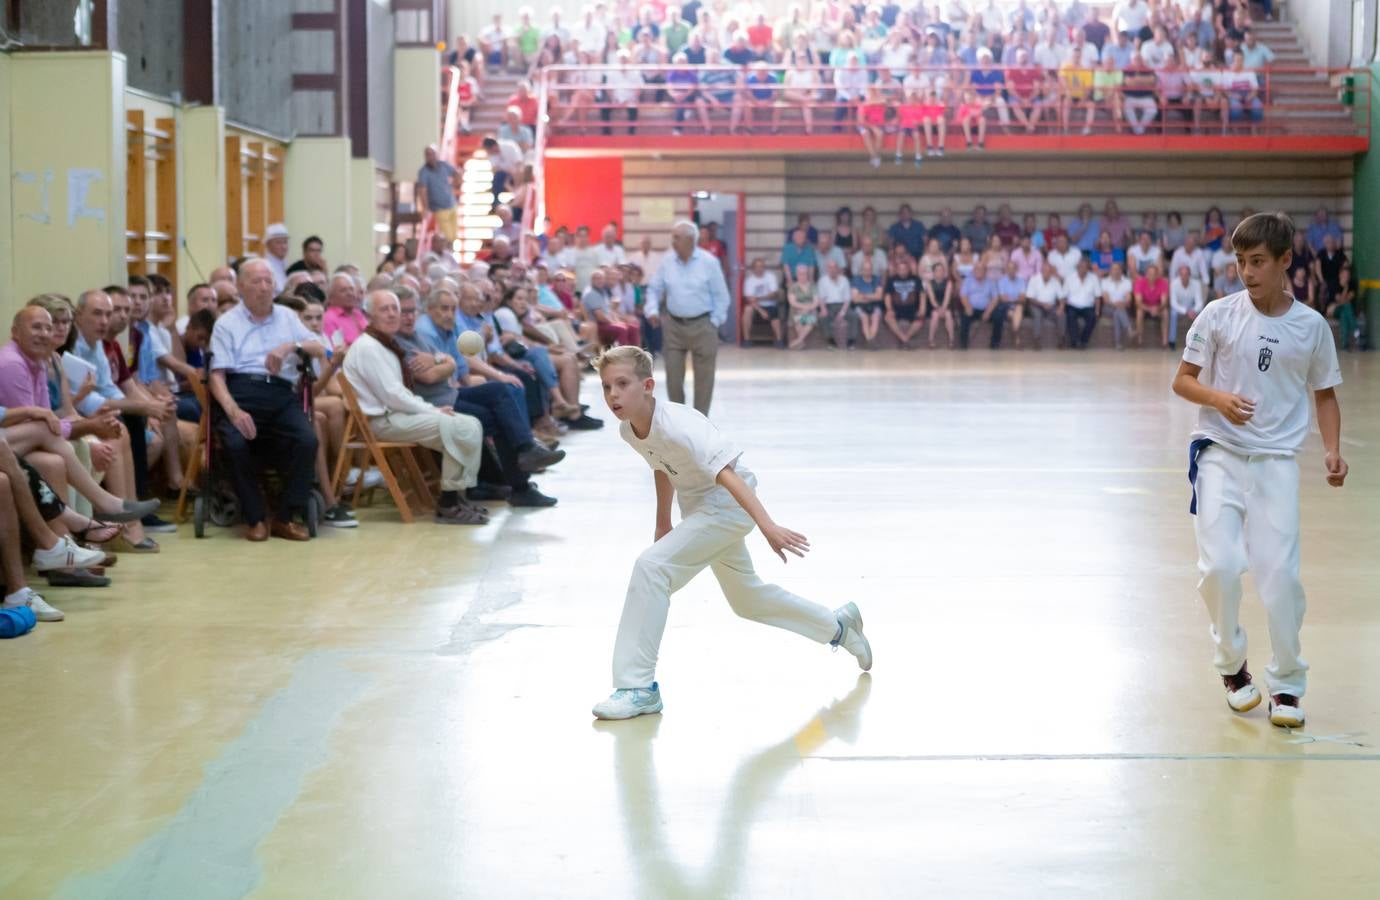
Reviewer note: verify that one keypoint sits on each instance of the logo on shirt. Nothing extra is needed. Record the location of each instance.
(1263, 362)
(664, 464)
(1269, 340)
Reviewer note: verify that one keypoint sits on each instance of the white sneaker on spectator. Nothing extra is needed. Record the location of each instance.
(352, 476)
(29, 597)
(66, 554)
(373, 478)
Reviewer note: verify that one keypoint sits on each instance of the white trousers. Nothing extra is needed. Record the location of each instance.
(1248, 517)
(710, 535)
(458, 438)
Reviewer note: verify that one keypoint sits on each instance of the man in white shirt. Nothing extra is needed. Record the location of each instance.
(1064, 258)
(1117, 292)
(1144, 254)
(1133, 17)
(609, 252)
(1249, 364)
(1192, 256)
(1045, 292)
(374, 368)
(762, 296)
(1186, 299)
(645, 258)
(835, 292)
(1082, 297)
(1221, 258)
(868, 249)
(276, 247)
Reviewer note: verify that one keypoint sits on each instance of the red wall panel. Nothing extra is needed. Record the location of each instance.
(585, 191)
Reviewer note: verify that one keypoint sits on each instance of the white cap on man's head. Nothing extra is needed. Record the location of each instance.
(276, 230)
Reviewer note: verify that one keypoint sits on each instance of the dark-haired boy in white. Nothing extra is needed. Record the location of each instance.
(719, 507)
(1250, 360)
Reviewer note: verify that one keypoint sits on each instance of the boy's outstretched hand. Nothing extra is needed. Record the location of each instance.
(782, 539)
(1336, 469)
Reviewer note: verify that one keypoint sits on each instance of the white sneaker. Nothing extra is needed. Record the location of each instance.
(373, 478)
(628, 703)
(1242, 695)
(66, 554)
(1285, 711)
(29, 597)
(352, 476)
(851, 635)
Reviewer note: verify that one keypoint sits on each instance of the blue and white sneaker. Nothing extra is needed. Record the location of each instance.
(851, 636)
(628, 703)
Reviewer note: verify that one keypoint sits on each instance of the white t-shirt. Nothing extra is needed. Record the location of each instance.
(1186, 298)
(610, 256)
(1220, 258)
(1196, 262)
(1118, 293)
(1066, 264)
(1082, 293)
(761, 286)
(833, 291)
(1142, 259)
(689, 449)
(1045, 293)
(1274, 361)
(508, 321)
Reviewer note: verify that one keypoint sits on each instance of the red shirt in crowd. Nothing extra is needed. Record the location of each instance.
(1009, 232)
(1152, 293)
(528, 107)
(119, 366)
(759, 35)
(1053, 234)
(1023, 82)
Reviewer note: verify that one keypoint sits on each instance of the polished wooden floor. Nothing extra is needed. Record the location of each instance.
(403, 711)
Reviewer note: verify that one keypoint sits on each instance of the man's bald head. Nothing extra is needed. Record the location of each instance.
(32, 330)
(94, 312)
(256, 285)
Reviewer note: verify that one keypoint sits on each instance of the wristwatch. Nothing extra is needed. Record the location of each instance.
(439, 359)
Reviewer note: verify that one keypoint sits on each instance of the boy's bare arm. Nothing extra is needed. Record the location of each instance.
(665, 491)
(1330, 426)
(780, 539)
(1238, 410)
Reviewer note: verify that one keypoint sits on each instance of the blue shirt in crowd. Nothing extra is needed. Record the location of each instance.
(979, 294)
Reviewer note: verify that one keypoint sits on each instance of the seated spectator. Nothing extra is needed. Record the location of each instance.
(1006, 227)
(1132, 18)
(376, 369)
(979, 296)
(1252, 53)
(850, 87)
(1341, 305)
(1158, 52)
(343, 323)
(682, 87)
(1229, 283)
(1186, 299)
(1053, 229)
(905, 314)
(908, 232)
(1139, 95)
(1242, 88)
(795, 254)
(1085, 229)
(988, 83)
(965, 260)
(252, 379)
(978, 230)
(1011, 296)
(867, 287)
(932, 257)
(1106, 255)
(1144, 254)
(1064, 258)
(1082, 302)
(1322, 225)
(1026, 89)
(1327, 265)
(1117, 295)
(1115, 224)
(1076, 81)
(609, 252)
(1026, 257)
(1151, 292)
(835, 301)
(938, 298)
(1044, 293)
(826, 251)
(800, 87)
(762, 296)
(805, 307)
(467, 94)
(994, 256)
(526, 104)
(615, 327)
(1194, 258)
(870, 252)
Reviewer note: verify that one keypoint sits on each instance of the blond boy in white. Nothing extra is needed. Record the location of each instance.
(719, 508)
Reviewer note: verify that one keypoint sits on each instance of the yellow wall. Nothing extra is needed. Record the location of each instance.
(364, 242)
(317, 199)
(201, 208)
(416, 74)
(67, 121)
(7, 301)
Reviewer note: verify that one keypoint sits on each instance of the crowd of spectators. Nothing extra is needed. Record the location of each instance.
(99, 399)
(892, 69)
(916, 279)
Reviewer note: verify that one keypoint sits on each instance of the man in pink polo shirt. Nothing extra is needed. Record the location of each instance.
(342, 311)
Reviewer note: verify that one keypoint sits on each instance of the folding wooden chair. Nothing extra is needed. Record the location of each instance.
(359, 441)
(197, 452)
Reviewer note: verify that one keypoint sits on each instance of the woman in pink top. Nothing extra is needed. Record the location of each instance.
(1150, 291)
(1027, 258)
(342, 311)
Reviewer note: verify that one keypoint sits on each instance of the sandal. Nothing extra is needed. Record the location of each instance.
(461, 515)
(98, 532)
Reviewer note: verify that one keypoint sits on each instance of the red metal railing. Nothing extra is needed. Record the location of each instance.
(587, 103)
(534, 212)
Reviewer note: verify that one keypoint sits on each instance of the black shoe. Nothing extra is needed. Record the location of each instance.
(483, 492)
(339, 517)
(76, 578)
(152, 522)
(535, 458)
(585, 423)
(131, 510)
(584, 407)
(531, 497)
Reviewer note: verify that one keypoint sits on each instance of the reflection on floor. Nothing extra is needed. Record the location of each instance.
(402, 711)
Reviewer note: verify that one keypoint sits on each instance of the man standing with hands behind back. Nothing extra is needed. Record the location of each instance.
(689, 287)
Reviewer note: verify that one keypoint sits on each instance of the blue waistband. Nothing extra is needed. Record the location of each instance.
(1195, 449)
